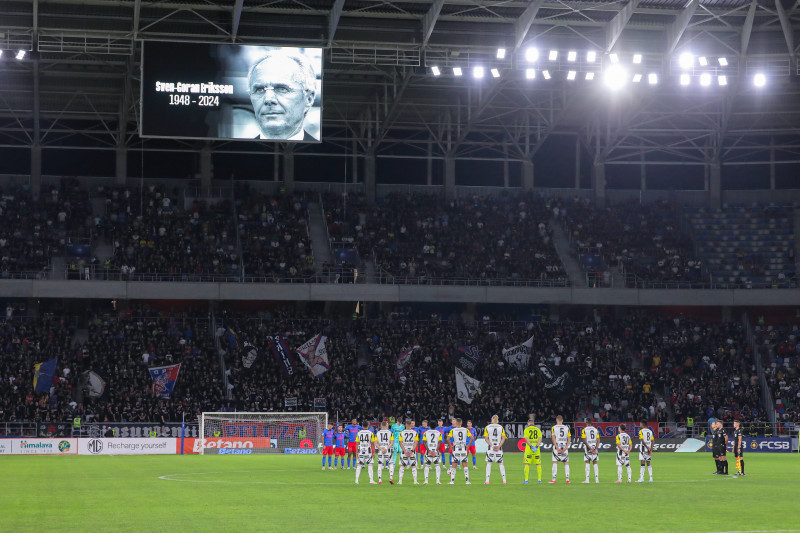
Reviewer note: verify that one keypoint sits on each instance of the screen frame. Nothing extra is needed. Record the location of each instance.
(140, 122)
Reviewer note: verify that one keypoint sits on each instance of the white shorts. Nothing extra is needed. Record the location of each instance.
(590, 456)
(560, 457)
(623, 459)
(384, 458)
(433, 459)
(364, 460)
(644, 455)
(408, 461)
(493, 456)
(460, 453)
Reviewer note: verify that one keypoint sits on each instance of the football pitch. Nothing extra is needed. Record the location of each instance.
(285, 493)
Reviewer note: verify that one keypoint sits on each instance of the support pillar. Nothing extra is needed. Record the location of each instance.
(355, 162)
(206, 171)
(527, 175)
(772, 167)
(505, 167)
(276, 166)
(642, 173)
(288, 169)
(121, 173)
(715, 184)
(599, 182)
(369, 177)
(36, 169)
(449, 176)
(430, 163)
(577, 163)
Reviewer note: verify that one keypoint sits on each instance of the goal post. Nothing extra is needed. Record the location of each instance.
(259, 433)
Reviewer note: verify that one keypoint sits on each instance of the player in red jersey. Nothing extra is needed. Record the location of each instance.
(473, 434)
(341, 446)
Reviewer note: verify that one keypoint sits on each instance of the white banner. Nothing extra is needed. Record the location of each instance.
(39, 446)
(518, 356)
(126, 446)
(466, 386)
(314, 354)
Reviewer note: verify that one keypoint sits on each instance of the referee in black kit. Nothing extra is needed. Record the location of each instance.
(738, 447)
(719, 447)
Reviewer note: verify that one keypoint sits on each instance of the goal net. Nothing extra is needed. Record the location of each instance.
(251, 433)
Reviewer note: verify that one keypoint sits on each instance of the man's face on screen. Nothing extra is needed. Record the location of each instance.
(280, 101)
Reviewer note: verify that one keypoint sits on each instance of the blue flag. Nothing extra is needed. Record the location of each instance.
(164, 378)
(283, 355)
(233, 339)
(43, 375)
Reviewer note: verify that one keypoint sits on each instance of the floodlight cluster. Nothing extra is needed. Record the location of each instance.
(19, 54)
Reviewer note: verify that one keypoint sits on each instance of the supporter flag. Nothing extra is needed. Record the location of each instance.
(164, 378)
(468, 359)
(95, 384)
(314, 354)
(404, 359)
(43, 375)
(283, 355)
(233, 339)
(249, 354)
(519, 355)
(466, 387)
(557, 384)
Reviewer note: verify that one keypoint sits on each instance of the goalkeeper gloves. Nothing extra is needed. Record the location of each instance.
(534, 449)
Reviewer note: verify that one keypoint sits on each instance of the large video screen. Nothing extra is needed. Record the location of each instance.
(223, 91)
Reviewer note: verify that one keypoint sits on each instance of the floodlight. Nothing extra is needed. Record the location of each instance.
(477, 72)
(759, 80)
(614, 58)
(436, 71)
(722, 80)
(705, 79)
(637, 58)
(686, 60)
(530, 73)
(1, 53)
(723, 61)
(553, 55)
(589, 76)
(20, 54)
(615, 77)
(531, 54)
(495, 73)
(703, 61)
(546, 74)
(571, 75)
(591, 56)
(501, 53)
(457, 71)
(685, 79)
(637, 78)
(572, 55)
(652, 78)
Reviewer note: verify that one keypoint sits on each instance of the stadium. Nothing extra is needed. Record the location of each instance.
(366, 245)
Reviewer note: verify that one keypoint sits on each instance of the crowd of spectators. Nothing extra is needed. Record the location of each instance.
(274, 235)
(626, 368)
(644, 240)
(417, 238)
(780, 351)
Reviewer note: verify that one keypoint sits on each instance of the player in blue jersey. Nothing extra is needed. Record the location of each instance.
(443, 443)
(328, 438)
(473, 435)
(352, 430)
(421, 446)
(396, 428)
(341, 446)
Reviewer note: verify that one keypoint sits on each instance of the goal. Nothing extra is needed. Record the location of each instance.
(252, 433)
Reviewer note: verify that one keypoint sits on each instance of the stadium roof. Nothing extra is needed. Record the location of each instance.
(79, 85)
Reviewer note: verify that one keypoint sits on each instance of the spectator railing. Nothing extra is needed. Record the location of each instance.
(24, 428)
(384, 277)
(44, 273)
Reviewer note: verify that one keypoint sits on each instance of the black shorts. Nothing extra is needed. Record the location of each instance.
(738, 453)
(718, 451)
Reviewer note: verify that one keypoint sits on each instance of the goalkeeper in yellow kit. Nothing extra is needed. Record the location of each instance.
(533, 455)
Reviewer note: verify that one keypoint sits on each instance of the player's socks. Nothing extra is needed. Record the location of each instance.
(555, 471)
(587, 472)
(742, 461)
(466, 472)
(503, 472)
(474, 461)
(619, 473)
(427, 473)
(414, 474)
(630, 474)
(539, 472)
(323, 461)
(527, 471)
(358, 472)
(402, 471)
(596, 473)
(348, 462)
(489, 472)
(725, 466)
(452, 475)
(641, 472)
(438, 473)
(650, 471)
(566, 471)
(380, 473)
(371, 475)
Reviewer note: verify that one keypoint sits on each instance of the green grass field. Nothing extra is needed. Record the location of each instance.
(283, 493)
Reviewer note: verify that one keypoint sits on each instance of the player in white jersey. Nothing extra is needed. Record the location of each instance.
(432, 439)
(561, 438)
(645, 451)
(383, 444)
(495, 436)
(408, 455)
(459, 441)
(624, 447)
(591, 438)
(366, 452)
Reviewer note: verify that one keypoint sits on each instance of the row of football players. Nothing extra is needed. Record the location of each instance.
(383, 448)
